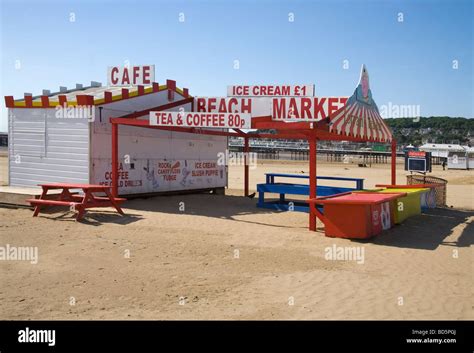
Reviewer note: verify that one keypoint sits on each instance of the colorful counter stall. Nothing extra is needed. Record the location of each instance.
(427, 198)
(359, 215)
(418, 199)
(409, 205)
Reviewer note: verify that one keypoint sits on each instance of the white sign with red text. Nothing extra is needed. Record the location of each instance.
(280, 108)
(201, 119)
(270, 91)
(131, 75)
(306, 108)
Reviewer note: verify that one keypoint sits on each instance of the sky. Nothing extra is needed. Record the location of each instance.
(418, 53)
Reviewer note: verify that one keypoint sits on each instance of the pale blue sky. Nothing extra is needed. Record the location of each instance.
(409, 62)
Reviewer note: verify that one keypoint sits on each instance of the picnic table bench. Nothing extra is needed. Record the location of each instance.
(284, 188)
(76, 202)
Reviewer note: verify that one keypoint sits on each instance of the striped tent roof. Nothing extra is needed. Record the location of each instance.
(360, 117)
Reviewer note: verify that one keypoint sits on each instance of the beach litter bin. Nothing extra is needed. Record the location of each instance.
(438, 184)
(358, 215)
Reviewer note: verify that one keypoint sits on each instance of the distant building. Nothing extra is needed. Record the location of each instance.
(461, 159)
(441, 149)
(3, 139)
(456, 156)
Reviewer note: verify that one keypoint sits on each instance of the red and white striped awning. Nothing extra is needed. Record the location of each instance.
(360, 117)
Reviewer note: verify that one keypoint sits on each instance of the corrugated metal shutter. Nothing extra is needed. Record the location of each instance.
(28, 134)
(47, 149)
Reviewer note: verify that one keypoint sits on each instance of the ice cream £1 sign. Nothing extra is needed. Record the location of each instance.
(201, 119)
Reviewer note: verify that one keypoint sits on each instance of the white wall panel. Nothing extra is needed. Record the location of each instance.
(148, 149)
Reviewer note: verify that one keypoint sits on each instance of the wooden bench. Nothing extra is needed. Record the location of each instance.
(284, 189)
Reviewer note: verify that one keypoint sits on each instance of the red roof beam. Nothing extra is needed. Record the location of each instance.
(146, 124)
(158, 108)
(279, 125)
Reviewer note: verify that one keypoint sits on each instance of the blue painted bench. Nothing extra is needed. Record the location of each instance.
(284, 189)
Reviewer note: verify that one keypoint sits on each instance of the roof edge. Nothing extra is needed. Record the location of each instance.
(84, 99)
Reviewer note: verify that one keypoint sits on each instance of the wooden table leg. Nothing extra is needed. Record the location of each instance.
(81, 207)
(112, 201)
(80, 212)
(38, 207)
(65, 195)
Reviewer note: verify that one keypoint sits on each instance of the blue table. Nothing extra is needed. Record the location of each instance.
(299, 189)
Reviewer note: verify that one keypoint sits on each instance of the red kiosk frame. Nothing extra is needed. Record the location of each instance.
(359, 114)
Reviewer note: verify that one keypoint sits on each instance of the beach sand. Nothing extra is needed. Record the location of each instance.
(223, 258)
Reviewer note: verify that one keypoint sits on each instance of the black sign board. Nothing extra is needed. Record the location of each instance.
(418, 161)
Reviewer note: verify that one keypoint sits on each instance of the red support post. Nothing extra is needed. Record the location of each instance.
(394, 162)
(246, 166)
(312, 182)
(114, 159)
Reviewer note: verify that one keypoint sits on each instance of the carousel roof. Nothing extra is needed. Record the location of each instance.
(360, 117)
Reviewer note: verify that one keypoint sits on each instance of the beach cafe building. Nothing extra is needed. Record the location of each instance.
(140, 137)
(53, 138)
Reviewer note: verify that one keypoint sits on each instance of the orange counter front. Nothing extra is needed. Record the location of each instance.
(357, 215)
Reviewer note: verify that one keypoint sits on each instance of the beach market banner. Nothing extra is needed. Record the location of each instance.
(279, 108)
(360, 116)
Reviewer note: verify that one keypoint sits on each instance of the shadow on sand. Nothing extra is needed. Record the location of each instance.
(430, 230)
(207, 205)
(91, 217)
(426, 231)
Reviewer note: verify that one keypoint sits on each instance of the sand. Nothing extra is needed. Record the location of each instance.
(223, 258)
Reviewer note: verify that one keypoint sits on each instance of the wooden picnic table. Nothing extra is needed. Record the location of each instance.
(76, 202)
